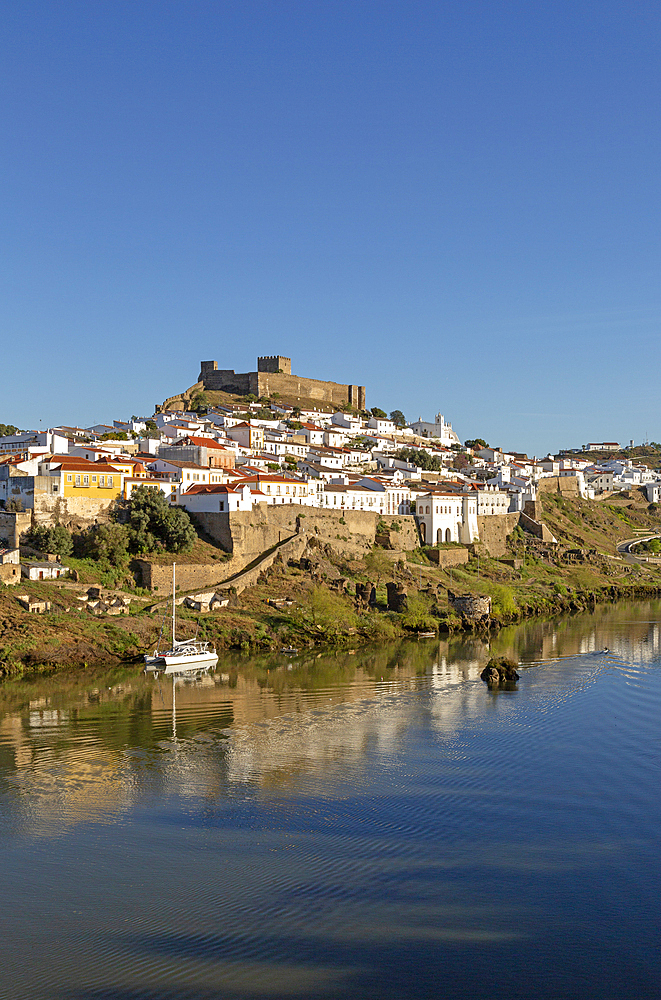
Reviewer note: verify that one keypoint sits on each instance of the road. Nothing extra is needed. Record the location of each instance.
(624, 548)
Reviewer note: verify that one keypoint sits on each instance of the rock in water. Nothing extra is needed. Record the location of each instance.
(500, 671)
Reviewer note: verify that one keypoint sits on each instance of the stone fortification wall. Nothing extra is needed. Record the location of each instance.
(12, 527)
(246, 534)
(275, 376)
(158, 576)
(310, 388)
(181, 401)
(493, 531)
(293, 548)
(536, 528)
(567, 485)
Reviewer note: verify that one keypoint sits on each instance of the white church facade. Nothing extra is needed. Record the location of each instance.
(440, 429)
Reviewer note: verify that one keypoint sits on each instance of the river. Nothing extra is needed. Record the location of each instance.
(374, 824)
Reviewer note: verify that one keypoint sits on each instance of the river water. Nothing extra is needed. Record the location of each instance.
(375, 824)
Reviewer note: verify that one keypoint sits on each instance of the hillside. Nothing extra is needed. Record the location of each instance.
(313, 601)
(216, 398)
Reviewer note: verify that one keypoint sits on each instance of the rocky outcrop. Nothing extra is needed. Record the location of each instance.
(500, 672)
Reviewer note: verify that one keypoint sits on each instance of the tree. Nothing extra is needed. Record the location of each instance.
(421, 459)
(476, 443)
(151, 430)
(107, 543)
(378, 564)
(153, 524)
(114, 436)
(7, 430)
(378, 413)
(461, 461)
(398, 418)
(56, 540)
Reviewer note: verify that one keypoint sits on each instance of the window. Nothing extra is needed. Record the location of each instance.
(69, 477)
(102, 480)
(86, 480)
(93, 479)
(109, 480)
(77, 481)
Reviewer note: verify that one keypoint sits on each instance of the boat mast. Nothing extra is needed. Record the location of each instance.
(174, 642)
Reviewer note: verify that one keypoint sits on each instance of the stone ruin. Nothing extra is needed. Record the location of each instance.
(397, 597)
(471, 607)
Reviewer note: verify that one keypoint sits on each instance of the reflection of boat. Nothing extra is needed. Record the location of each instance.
(289, 650)
(426, 635)
(184, 655)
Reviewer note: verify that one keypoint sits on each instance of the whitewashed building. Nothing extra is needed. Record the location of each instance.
(440, 429)
(446, 517)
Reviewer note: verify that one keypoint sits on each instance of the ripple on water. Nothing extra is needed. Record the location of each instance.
(360, 838)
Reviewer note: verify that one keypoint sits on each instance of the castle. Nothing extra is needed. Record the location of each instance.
(274, 375)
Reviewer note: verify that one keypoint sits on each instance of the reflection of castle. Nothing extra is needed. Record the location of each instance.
(274, 375)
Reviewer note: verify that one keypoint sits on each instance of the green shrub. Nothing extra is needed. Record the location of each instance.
(502, 599)
(417, 616)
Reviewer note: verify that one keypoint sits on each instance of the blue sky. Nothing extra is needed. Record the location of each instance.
(455, 204)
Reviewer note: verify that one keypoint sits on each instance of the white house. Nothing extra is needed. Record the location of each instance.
(382, 426)
(490, 499)
(346, 420)
(248, 435)
(219, 499)
(653, 492)
(367, 494)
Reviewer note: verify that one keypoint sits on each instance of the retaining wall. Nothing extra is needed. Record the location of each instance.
(493, 531)
(448, 557)
(246, 534)
(566, 485)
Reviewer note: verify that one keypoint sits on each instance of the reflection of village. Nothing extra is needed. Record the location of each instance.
(301, 725)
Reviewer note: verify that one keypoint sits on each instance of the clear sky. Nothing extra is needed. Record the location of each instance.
(455, 204)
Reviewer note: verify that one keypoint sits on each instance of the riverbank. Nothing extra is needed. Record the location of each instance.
(313, 603)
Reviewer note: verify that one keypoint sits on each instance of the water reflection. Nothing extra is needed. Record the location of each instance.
(70, 751)
(341, 825)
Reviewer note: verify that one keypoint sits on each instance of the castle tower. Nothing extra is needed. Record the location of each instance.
(274, 363)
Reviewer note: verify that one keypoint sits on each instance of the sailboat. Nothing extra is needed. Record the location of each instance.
(184, 655)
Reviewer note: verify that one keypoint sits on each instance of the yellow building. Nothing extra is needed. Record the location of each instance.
(78, 477)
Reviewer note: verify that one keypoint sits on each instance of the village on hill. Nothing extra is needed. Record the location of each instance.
(233, 483)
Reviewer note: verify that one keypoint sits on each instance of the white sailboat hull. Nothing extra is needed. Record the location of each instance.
(170, 663)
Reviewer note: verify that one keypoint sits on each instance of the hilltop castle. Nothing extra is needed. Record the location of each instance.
(274, 375)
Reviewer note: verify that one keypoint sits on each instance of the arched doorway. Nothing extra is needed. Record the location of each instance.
(423, 532)
(439, 536)
(448, 535)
